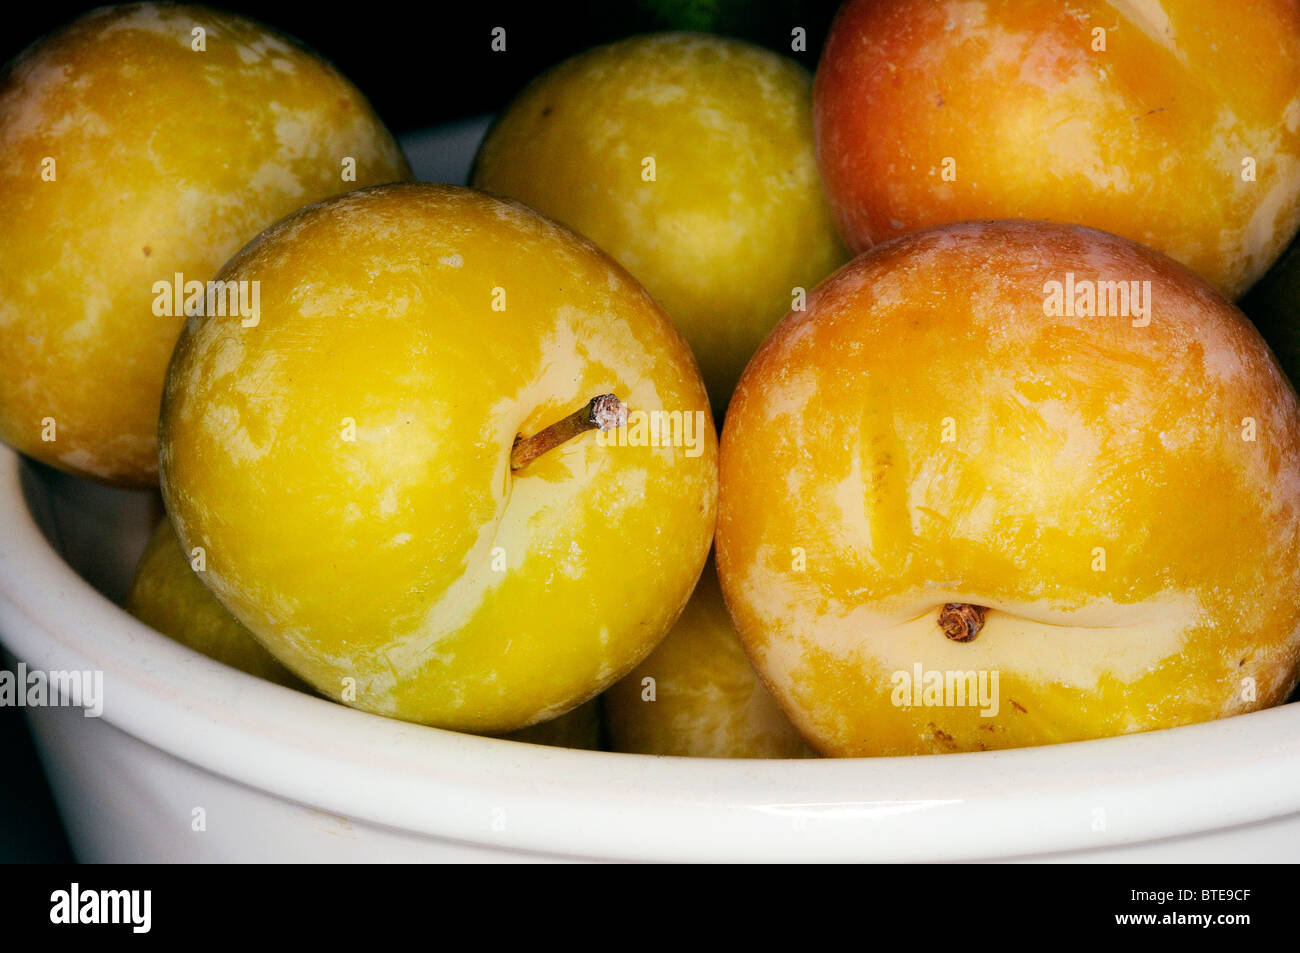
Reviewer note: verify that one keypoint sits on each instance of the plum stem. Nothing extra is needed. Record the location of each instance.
(961, 621)
(603, 412)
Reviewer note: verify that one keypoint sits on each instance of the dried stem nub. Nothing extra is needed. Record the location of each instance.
(961, 621)
(604, 412)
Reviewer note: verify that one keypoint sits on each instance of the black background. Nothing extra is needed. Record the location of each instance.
(431, 63)
(29, 827)
(1008, 906)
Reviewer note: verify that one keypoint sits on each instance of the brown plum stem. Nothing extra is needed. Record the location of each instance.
(961, 621)
(604, 412)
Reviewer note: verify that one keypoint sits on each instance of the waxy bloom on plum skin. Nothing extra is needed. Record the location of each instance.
(352, 462)
(934, 468)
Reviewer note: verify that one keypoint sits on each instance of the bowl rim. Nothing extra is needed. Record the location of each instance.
(513, 796)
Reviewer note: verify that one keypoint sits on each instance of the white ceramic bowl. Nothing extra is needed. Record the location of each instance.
(279, 775)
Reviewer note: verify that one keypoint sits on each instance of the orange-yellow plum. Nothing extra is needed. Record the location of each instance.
(1175, 123)
(1012, 483)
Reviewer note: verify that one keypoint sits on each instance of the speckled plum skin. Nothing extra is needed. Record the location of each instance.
(169, 596)
(346, 462)
(703, 699)
(1121, 492)
(733, 220)
(165, 160)
(933, 111)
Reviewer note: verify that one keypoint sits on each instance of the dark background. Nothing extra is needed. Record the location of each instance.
(426, 64)
(29, 827)
(419, 66)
